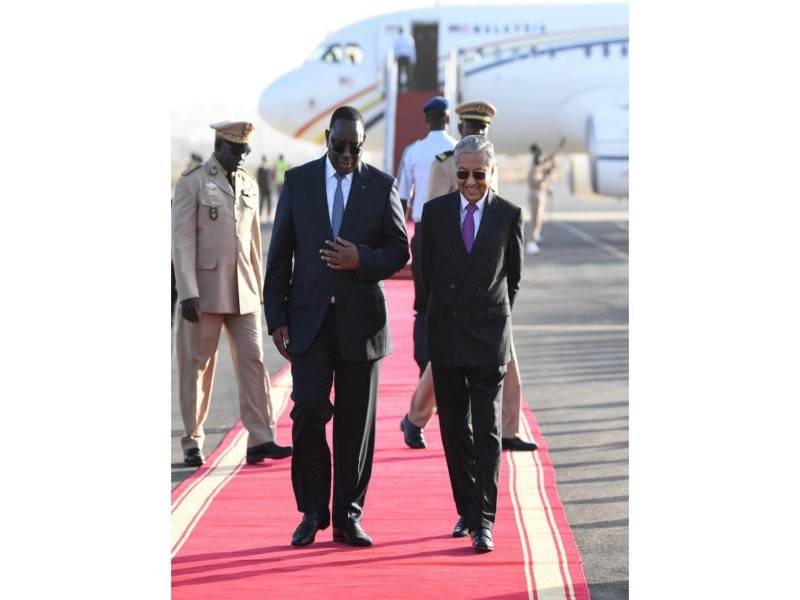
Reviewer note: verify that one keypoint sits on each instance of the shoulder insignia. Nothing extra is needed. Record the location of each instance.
(188, 170)
(445, 155)
(248, 173)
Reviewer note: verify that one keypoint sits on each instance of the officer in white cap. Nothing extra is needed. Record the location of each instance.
(413, 191)
(475, 119)
(216, 250)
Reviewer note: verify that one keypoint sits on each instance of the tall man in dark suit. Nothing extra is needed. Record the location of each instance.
(471, 267)
(341, 222)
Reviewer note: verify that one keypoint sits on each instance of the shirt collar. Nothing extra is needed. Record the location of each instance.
(330, 171)
(440, 133)
(480, 202)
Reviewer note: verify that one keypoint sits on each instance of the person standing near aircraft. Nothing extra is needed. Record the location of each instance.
(472, 278)
(338, 233)
(281, 166)
(264, 177)
(405, 53)
(413, 190)
(538, 176)
(475, 119)
(216, 250)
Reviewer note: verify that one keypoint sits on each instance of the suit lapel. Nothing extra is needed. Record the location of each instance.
(319, 196)
(487, 222)
(453, 217)
(359, 190)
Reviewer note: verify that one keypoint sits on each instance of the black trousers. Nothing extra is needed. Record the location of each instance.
(473, 457)
(420, 301)
(355, 386)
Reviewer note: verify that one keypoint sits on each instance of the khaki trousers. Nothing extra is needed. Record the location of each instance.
(196, 348)
(536, 203)
(423, 402)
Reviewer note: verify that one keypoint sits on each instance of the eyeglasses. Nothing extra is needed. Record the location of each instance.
(464, 174)
(339, 146)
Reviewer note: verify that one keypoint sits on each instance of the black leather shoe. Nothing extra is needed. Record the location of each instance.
(193, 457)
(461, 529)
(516, 443)
(482, 540)
(352, 534)
(256, 454)
(308, 528)
(412, 434)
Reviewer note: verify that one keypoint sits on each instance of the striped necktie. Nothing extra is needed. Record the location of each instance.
(338, 206)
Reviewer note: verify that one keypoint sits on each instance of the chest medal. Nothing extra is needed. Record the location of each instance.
(213, 213)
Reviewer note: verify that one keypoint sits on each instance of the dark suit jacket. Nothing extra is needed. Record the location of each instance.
(470, 295)
(299, 296)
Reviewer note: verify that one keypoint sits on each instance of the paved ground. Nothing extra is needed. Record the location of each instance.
(571, 335)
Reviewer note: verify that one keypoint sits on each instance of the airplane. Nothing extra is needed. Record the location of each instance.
(558, 75)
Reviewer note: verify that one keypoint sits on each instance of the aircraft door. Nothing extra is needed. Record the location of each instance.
(426, 69)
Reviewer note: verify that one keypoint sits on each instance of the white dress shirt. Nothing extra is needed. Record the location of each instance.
(330, 186)
(476, 216)
(416, 166)
(404, 45)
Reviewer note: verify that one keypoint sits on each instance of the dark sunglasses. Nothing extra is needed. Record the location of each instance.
(464, 174)
(339, 146)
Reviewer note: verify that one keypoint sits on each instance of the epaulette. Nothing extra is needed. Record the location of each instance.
(445, 155)
(188, 170)
(248, 173)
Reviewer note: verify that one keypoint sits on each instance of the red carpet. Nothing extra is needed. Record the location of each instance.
(232, 522)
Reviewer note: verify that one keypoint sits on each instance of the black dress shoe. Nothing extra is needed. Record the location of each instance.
(482, 540)
(308, 528)
(516, 443)
(412, 434)
(461, 529)
(193, 457)
(256, 454)
(352, 534)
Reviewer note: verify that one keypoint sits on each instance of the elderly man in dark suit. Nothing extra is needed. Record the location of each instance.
(338, 232)
(471, 266)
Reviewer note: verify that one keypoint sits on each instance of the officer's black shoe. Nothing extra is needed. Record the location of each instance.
(256, 454)
(461, 529)
(516, 443)
(352, 534)
(482, 540)
(193, 457)
(308, 528)
(412, 434)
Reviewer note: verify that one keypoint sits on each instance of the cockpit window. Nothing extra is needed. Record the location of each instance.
(329, 53)
(353, 54)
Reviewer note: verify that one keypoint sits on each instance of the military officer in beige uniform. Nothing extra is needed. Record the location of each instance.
(216, 250)
(475, 119)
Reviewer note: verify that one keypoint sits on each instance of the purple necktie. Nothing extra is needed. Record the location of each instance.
(468, 227)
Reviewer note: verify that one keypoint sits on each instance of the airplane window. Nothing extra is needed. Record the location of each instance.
(334, 54)
(354, 54)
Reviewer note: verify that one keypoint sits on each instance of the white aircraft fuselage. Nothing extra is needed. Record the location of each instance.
(554, 72)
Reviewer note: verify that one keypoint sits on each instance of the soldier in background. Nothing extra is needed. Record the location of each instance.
(264, 178)
(413, 191)
(538, 177)
(475, 119)
(216, 250)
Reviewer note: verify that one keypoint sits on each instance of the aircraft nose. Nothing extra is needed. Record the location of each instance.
(275, 105)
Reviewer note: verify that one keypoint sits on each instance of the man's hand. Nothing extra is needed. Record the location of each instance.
(341, 255)
(280, 337)
(190, 309)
